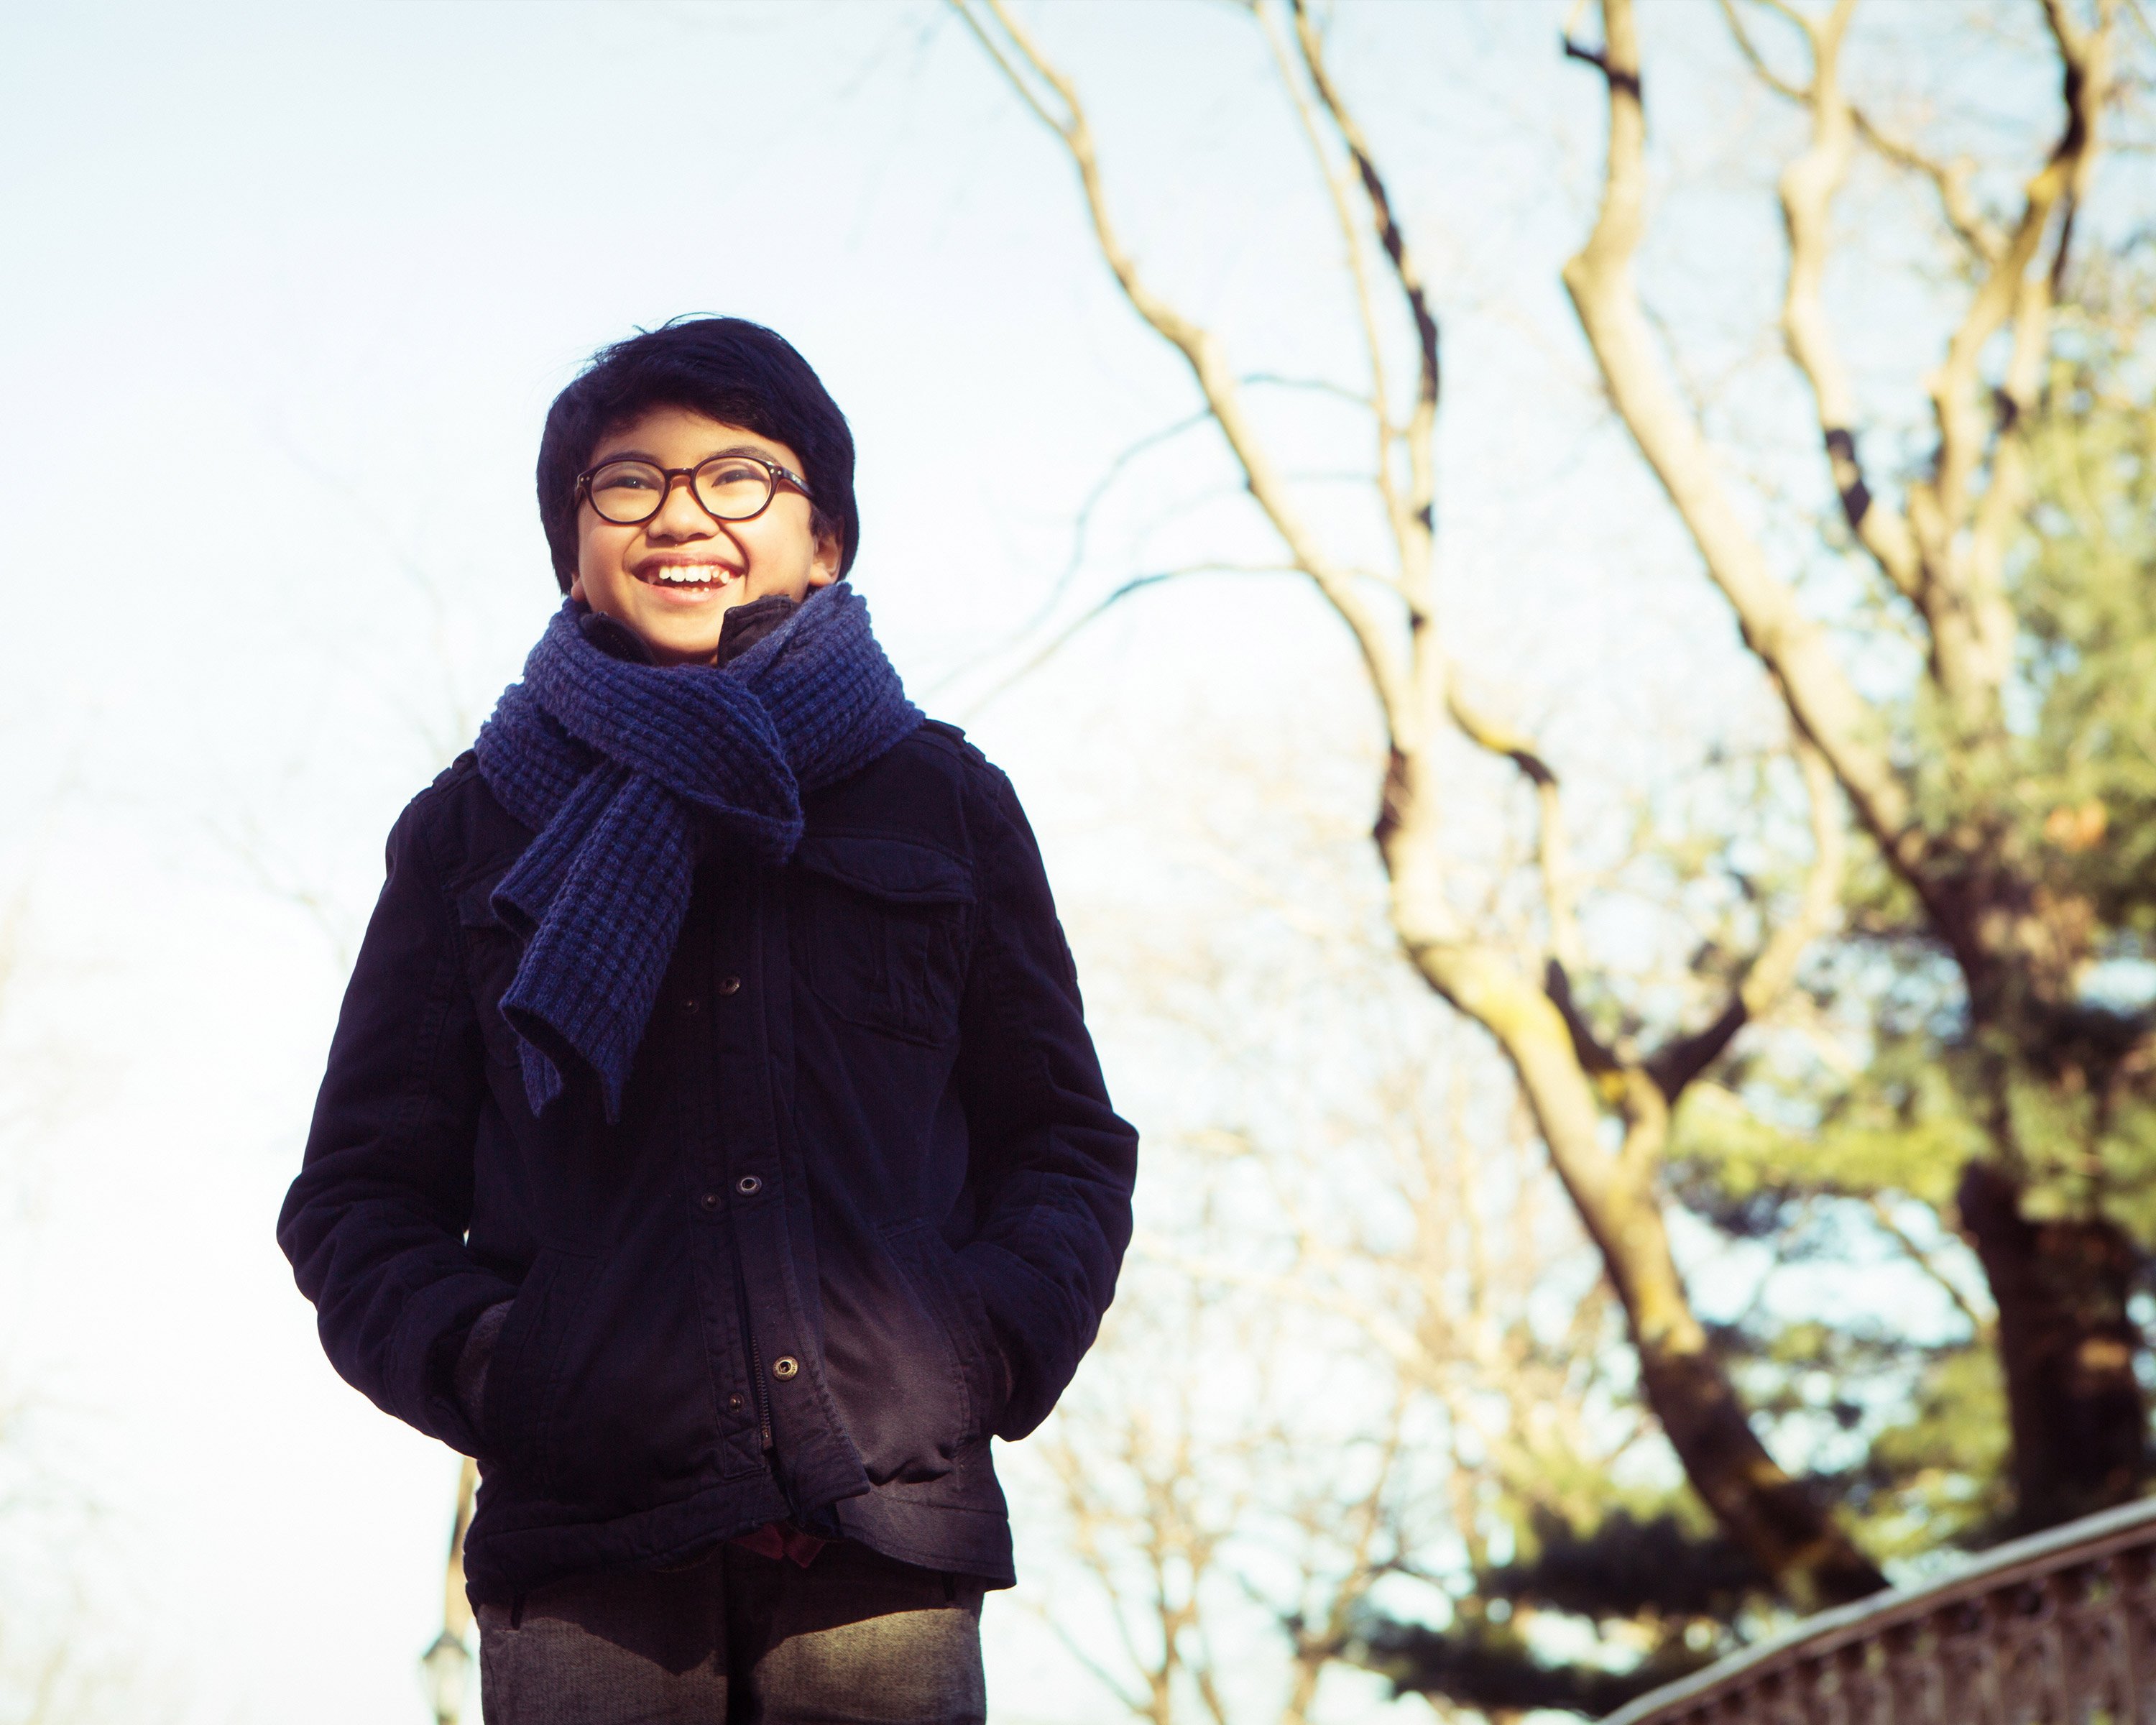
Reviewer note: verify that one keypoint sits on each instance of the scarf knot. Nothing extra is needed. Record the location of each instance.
(628, 773)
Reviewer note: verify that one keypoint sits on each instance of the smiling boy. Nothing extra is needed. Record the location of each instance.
(711, 1143)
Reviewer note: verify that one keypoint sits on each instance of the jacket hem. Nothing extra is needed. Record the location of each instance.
(497, 1566)
(934, 1536)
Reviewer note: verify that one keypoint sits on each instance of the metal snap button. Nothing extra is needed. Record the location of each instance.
(784, 1367)
(748, 1185)
(691, 1003)
(709, 1201)
(734, 1403)
(730, 985)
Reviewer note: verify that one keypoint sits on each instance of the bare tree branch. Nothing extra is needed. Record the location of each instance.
(1753, 58)
(1808, 188)
(1081, 524)
(1422, 421)
(1972, 623)
(1324, 385)
(1768, 976)
(1398, 512)
(1136, 585)
(1552, 854)
(1952, 179)
(1200, 348)
(1882, 1213)
(1955, 181)
(1605, 295)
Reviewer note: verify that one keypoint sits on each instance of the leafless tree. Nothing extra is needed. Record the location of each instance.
(1581, 1088)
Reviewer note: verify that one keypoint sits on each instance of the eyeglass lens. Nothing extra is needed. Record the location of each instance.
(628, 492)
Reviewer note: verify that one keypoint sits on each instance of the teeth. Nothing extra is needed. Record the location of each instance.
(690, 574)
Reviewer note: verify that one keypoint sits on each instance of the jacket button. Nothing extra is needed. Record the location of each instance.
(748, 1185)
(734, 1403)
(709, 1201)
(784, 1367)
(730, 985)
(691, 1003)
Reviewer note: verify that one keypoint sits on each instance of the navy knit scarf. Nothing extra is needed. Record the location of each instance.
(628, 773)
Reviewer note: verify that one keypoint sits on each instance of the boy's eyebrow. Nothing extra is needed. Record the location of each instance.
(755, 450)
(759, 450)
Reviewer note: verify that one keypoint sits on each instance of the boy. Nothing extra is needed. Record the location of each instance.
(711, 1143)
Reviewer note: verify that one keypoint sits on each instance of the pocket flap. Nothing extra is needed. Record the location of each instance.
(887, 867)
(476, 903)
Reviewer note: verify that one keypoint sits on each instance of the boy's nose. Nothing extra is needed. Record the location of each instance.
(680, 516)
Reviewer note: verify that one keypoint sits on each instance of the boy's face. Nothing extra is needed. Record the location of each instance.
(622, 571)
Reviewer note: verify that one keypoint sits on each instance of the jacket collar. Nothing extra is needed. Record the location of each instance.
(744, 626)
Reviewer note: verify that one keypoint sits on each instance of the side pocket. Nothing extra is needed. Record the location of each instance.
(950, 1295)
(522, 1374)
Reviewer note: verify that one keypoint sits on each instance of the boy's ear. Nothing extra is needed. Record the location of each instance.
(823, 566)
(576, 587)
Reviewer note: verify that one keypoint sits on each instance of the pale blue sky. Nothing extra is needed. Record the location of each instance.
(289, 288)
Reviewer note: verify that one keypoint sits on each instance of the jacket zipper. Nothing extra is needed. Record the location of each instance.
(763, 1401)
(755, 1353)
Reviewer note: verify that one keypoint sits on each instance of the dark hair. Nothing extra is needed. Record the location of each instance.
(725, 367)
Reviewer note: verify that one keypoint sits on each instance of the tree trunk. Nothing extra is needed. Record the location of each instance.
(2066, 1347)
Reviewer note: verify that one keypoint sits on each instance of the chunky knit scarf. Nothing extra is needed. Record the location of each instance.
(628, 773)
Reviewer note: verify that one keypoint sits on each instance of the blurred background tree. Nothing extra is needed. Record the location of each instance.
(1957, 1081)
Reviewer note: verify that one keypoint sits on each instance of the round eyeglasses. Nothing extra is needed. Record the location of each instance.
(731, 488)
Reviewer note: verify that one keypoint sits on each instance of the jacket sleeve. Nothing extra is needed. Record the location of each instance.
(374, 1224)
(1052, 1164)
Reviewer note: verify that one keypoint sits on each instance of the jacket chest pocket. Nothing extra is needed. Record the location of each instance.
(878, 929)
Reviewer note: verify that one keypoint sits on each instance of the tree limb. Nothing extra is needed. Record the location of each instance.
(1552, 853)
(1773, 968)
(1201, 350)
(1952, 179)
(1972, 627)
(1422, 420)
(1882, 1213)
(1323, 386)
(1753, 58)
(1136, 585)
(1398, 510)
(1599, 279)
(1808, 189)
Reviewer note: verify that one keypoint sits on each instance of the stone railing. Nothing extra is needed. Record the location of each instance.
(2056, 1629)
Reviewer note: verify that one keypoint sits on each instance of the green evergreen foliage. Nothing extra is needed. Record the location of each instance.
(1659, 1582)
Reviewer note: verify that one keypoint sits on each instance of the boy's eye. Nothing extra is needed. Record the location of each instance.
(733, 473)
(628, 477)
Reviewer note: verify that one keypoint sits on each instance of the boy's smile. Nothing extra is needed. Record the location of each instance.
(673, 579)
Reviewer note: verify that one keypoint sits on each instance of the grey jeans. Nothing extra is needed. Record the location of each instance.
(854, 1639)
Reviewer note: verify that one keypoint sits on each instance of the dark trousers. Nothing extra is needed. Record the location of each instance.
(741, 1640)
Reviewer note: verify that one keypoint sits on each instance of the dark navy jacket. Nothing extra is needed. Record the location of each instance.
(866, 1196)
